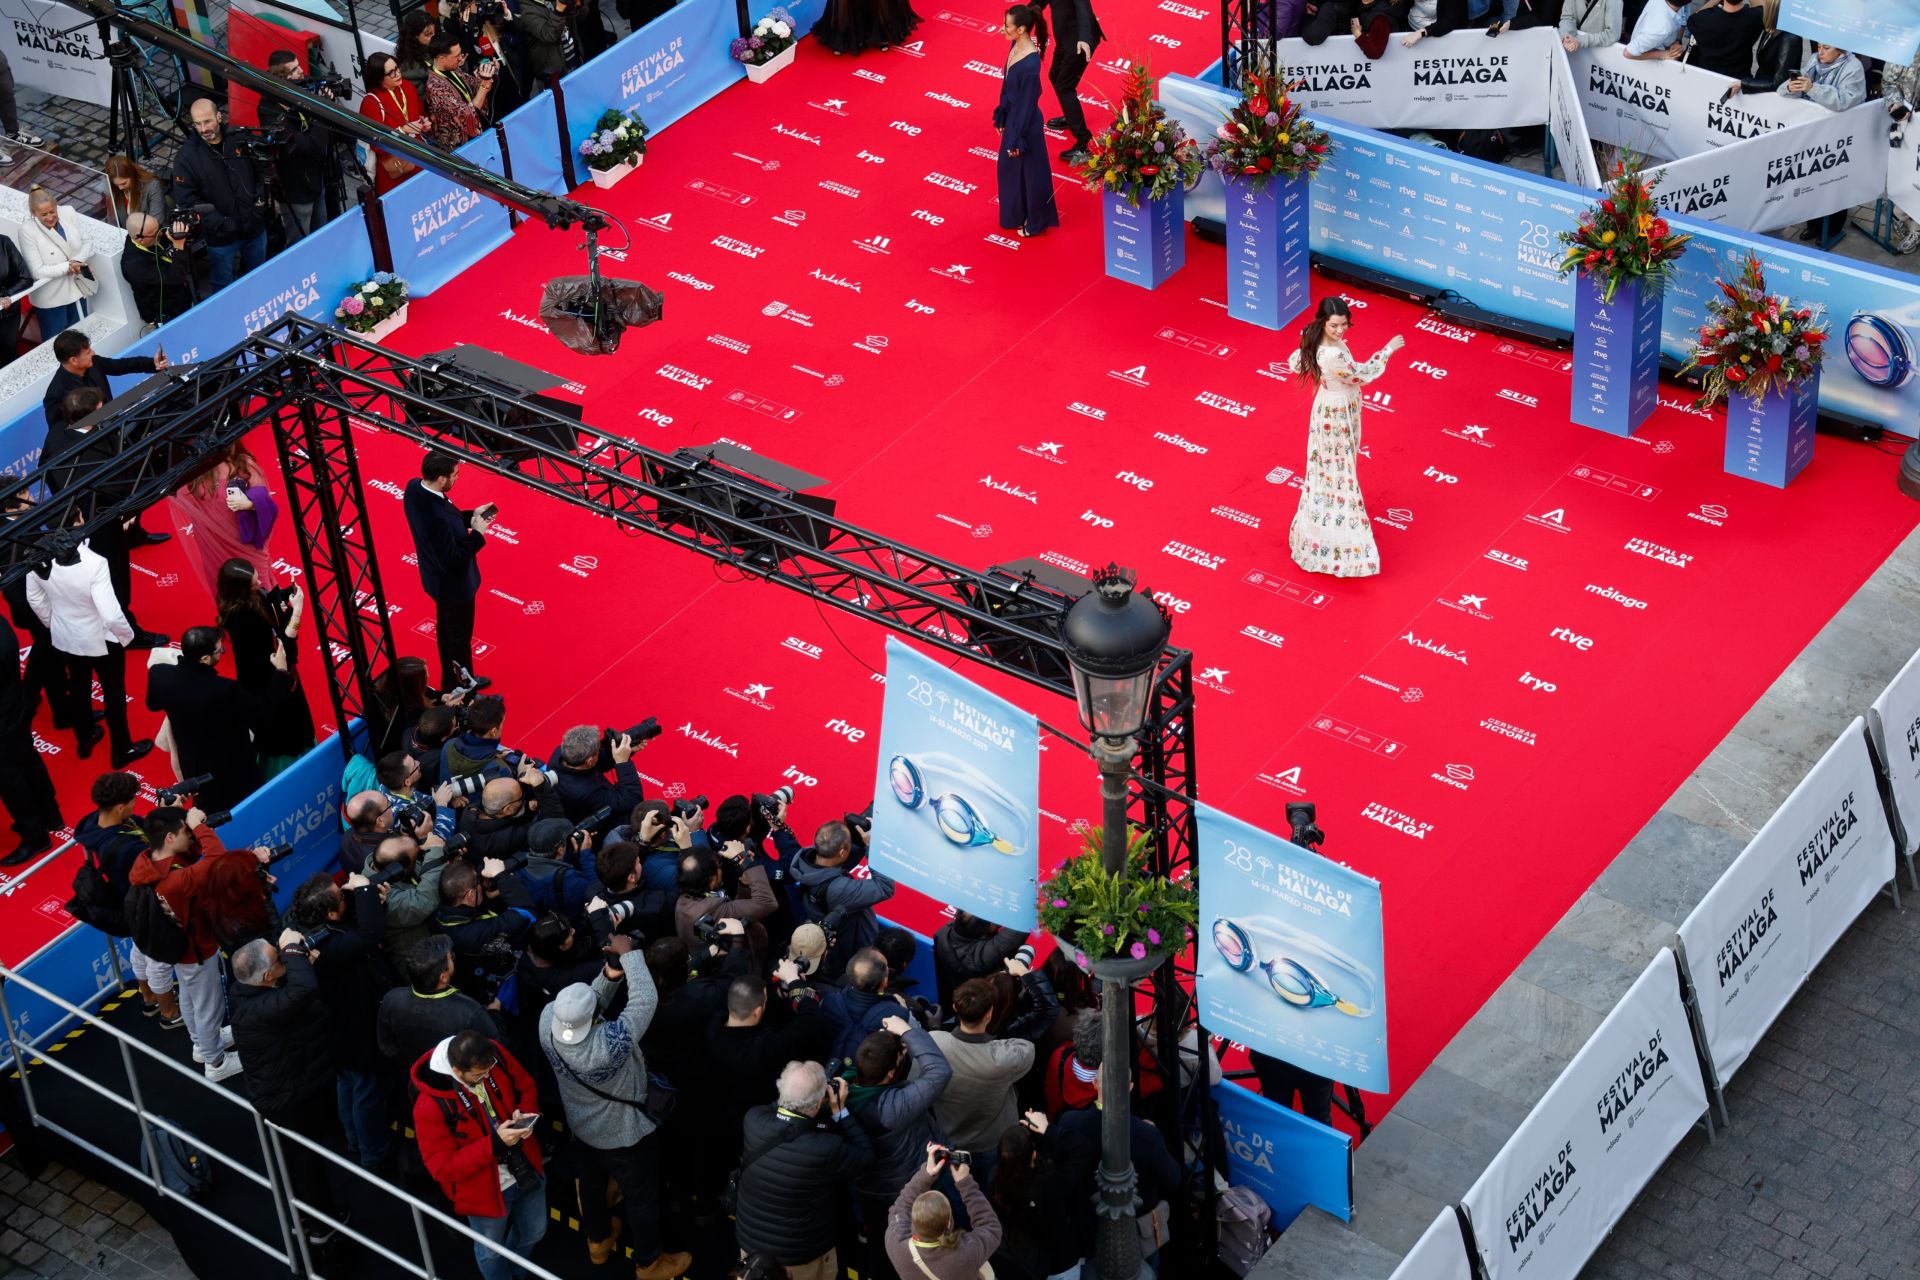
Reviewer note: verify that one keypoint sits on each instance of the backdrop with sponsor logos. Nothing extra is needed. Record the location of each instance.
(1888, 29)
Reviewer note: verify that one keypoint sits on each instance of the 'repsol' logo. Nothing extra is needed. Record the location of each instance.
(1214, 678)
(1547, 1186)
(791, 217)
(1630, 1082)
(801, 647)
(1193, 555)
(1277, 370)
(1654, 551)
(1554, 519)
(685, 377)
(949, 183)
(1238, 516)
(1435, 647)
(1046, 451)
(1136, 376)
(740, 247)
(1744, 942)
(442, 213)
(1474, 606)
(954, 271)
(1225, 404)
(1011, 490)
(1457, 776)
(873, 343)
(1710, 513)
(1395, 518)
(1271, 638)
(798, 135)
(1518, 397)
(1179, 441)
(1394, 820)
(1287, 780)
(707, 739)
(754, 695)
(1826, 840)
(582, 566)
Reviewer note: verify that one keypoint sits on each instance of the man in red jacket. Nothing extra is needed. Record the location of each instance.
(474, 1116)
(213, 894)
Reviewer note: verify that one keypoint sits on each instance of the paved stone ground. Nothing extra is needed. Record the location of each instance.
(1817, 1175)
(64, 1227)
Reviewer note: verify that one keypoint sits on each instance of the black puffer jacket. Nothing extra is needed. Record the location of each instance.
(958, 957)
(282, 1035)
(793, 1174)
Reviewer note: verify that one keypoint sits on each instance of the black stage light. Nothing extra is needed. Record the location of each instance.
(492, 387)
(725, 477)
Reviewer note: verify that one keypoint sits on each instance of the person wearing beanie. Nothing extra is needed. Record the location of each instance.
(602, 1077)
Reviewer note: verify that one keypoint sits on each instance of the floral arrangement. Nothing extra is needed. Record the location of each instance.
(1128, 916)
(1267, 137)
(1143, 153)
(371, 301)
(620, 137)
(1624, 237)
(1754, 342)
(772, 36)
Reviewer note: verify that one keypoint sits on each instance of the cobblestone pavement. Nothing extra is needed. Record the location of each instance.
(64, 1227)
(1817, 1175)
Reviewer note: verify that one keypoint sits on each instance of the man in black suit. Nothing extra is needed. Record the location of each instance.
(79, 367)
(15, 280)
(1076, 34)
(446, 540)
(213, 719)
(25, 789)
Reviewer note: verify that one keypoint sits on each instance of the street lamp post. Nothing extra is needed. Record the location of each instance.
(1114, 638)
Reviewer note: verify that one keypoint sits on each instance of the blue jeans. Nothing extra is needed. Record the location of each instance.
(236, 259)
(525, 1222)
(57, 320)
(362, 1098)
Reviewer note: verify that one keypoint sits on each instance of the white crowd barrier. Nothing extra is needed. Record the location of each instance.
(1895, 722)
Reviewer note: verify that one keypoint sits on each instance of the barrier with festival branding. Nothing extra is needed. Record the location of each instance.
(1895, 719)
(1567, 125)
(1597, 1137)
(1888, 29)
(1290, 1160)
(1439, 1254)
(1460, 81)
(956, 809)
(438, 228)
(1835, 161)
(1814, 866)
(1292, 952)
(664, 70)
(1903, 171)
(1668, 110)
(533, 145)
(55, 49)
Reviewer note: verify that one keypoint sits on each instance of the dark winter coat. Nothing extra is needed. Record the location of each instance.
(793, 1172)
(222, 177)
(282, 1035)
(899, 1118)
(957, 957)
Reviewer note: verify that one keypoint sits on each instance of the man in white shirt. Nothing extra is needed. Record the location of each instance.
(74, 598)
(1660, 32)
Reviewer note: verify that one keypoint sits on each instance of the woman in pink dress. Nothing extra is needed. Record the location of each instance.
(226, 513)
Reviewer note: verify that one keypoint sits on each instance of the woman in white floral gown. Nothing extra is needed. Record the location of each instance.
(1331, 533)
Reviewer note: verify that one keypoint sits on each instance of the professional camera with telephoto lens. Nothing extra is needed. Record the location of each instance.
(324, 84)
(1300, 818)
(467, 786)
(276, 852)
(690, 809)
(769, 803)
(830, 925)
(707, 929)
(186, 219)
(185, 789)
(861, 821)
(409, 817)
(586, 825)
(646, 731)
(260, 144)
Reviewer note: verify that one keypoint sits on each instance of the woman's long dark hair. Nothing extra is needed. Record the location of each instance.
(408, 49)
(1031, 20)
(1316, 330)
(1022, 1162)
(374, 73)
(405, 685)
(234, 589)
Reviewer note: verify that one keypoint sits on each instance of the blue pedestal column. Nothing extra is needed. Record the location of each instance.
(1771, 439)
(1267, 251)
(1616, 355)
(1147, 244)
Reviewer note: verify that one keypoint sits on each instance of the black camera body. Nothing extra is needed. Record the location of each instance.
(324, 85)
(1300, 818)
(690, 809)
(185, 789)
(707, 929)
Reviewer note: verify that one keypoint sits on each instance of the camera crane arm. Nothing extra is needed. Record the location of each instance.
(557, 212)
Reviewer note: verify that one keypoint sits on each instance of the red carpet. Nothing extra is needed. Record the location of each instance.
(1565, 625)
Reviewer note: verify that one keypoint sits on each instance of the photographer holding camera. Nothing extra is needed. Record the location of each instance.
(213, 169)
(410, 874)
(343, 928)
(501, 824)
(581, 763)
(631, 906)
(796, 1158)
(303, 149)
(703, 900)
(477, 747)
(661, 837)
(486, 932)
(547, 28)
(827, 888)
(159, 274)
(921, 1235)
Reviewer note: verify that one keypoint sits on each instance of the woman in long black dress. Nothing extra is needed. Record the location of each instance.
(848, 26)
(1026, 182)
(256, 623)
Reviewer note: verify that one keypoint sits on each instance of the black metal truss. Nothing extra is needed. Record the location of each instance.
(1246, 39)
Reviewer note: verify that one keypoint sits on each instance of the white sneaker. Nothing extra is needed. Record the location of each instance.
(6, 156)
(1909, 242)
(226, 1043)
(30, 139)
(229, 1065)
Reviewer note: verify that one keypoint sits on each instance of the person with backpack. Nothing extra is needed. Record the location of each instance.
(829, 890)
(188, 890)
(111, 839)
(344, 927)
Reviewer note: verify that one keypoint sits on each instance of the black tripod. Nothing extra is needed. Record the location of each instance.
(126, 119)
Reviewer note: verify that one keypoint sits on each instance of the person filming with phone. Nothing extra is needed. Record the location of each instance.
(447, 541)
(922, 1240)
(459, 103)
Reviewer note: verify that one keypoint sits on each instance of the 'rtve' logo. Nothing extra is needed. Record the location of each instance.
(845, 730)
(1137, 481)
(1431, 370)
(924, 216)
(1578, 641)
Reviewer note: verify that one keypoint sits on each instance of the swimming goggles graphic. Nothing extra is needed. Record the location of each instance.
(1301, 970)
(958, 817)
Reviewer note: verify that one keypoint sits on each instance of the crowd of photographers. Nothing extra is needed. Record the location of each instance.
(583, 999)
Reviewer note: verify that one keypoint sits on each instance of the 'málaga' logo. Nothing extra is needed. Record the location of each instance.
(1826, 839)
(649, 70)
(1635, 1076)
(1551, 1183)
(295, 297)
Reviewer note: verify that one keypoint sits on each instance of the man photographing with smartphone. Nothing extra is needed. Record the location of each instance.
(447, 540)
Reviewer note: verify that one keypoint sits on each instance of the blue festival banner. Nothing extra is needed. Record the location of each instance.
(1146, 242)
(1290, 1160)
(1771, 439)
(956, 808)
(664, 70)
(20, 442)
(533, 144)
(1268, 265)
(437, 228)
(1292, 952)
(1616, 355)
(1887, 29)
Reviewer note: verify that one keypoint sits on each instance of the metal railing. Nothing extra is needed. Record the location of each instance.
(292, 1213)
